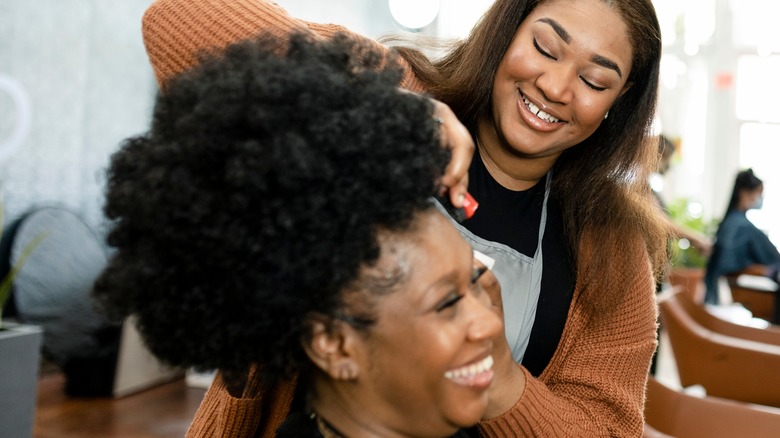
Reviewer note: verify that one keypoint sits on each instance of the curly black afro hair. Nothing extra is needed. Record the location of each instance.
(257, 195)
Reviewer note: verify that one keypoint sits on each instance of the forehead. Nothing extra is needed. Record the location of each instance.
(591, 26)
(421, 255)
(431, 238)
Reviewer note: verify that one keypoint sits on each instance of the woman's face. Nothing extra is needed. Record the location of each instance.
(566, 65)
(749, 198)
(426, 363)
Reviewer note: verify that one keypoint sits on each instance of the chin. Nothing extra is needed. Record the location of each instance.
(470, 415)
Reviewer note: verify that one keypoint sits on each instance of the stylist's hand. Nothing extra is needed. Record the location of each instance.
(509, 381)
(455, 137)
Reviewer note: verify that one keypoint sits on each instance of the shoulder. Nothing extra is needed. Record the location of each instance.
(615, 274)
(624, 248)
(734, 225)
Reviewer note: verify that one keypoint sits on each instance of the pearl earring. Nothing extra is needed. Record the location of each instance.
(606, 115)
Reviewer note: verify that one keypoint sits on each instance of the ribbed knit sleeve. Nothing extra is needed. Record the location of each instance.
(258, 412)
(595, 383)
(175, 32)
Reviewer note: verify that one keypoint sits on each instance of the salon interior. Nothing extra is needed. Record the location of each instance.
(66, 105)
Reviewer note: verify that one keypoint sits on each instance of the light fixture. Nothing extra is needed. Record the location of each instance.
(414, 14)
(23, 109)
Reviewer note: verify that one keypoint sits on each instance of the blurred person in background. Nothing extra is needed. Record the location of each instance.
(738, 242)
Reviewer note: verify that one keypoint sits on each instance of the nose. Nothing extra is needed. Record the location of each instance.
(484, 322)
(555, 84)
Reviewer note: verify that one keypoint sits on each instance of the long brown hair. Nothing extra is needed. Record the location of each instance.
(601, 182)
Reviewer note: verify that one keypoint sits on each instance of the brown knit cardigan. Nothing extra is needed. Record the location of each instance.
(594, 384)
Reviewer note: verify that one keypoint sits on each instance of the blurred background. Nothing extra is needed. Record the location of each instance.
(75, 81)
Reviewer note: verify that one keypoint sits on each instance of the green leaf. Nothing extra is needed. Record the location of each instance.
(682, 253)
(8, 281)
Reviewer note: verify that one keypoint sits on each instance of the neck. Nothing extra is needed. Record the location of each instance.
(345, 412)
(326, 430)
(509, 168)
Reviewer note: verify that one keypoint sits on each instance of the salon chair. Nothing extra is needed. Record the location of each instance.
(727, 366)
(671, 412)
(757, 293)
(710, 321)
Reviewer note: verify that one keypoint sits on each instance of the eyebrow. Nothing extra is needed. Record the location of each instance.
(596, 59)
(558, 29)
(607, 63)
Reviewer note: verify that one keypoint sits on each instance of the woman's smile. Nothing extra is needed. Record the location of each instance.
(535, 117)
(478, 375)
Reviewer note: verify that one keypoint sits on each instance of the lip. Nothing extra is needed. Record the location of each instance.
(477, 374)
(535, 122)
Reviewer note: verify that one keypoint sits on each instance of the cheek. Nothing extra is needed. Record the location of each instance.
(590, 113)
(434, 345)
(590, 110)
(421, 354)
(516, 63)
(408, 370)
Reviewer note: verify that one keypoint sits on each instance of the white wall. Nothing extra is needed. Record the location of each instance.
(82, 65)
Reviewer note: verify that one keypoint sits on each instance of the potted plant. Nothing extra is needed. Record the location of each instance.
(20, 346)
(688, 263)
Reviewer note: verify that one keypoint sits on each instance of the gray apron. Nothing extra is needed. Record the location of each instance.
(520, 278)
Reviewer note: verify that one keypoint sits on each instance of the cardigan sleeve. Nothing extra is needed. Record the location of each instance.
(595, 382)
(257, 413)
(176, 32)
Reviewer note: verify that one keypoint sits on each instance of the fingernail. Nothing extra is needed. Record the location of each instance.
(470, 205)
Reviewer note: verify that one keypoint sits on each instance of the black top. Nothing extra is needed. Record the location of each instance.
(512, 218)
(300, 425)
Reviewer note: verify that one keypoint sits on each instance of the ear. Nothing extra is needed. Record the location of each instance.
(333, 346)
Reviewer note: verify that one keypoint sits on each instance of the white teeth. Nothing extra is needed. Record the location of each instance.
(539, 113)
(471, 370)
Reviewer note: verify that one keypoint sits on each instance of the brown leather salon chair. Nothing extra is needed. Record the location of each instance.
(761, 301)
(703, 317)
(726, 366)
(670, 412)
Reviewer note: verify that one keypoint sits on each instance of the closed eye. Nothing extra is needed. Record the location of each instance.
(453, 297)
(450, 300)
(544, 53)
(591, 85)
(476, 273)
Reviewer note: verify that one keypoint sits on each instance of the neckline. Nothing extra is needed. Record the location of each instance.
(325, 428)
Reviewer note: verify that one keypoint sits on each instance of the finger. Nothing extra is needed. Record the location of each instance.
(456, 175)
(457, 139)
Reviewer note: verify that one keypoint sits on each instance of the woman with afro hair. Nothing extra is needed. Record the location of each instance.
(278, 212)
(558, 96)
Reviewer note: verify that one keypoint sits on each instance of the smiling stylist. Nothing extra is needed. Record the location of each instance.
(558, 96)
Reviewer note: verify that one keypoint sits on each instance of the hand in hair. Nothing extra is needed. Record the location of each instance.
(455, 137)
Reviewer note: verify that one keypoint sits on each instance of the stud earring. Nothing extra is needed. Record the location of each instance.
(606, 115)
(346, 372)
